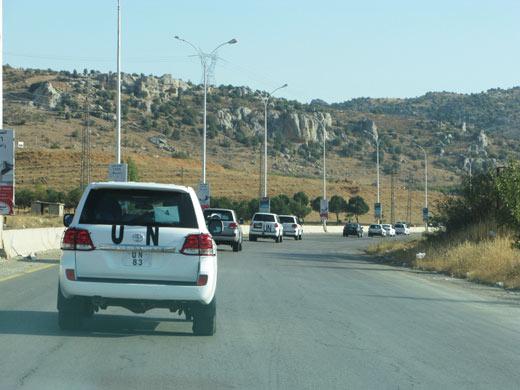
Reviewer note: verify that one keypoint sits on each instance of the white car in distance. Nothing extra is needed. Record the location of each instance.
(291, 226)
(139, 246)
(266, 225)
(376, 229)
(401, 228)
(390, 231)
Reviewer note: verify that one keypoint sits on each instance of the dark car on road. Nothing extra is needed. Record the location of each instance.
(353, 229)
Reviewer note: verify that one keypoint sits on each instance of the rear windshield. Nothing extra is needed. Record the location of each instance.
(287, 220)
(224, 215)
(352, 225)
(374, 226)
(264, 217)
(109, 206)
(398, 225)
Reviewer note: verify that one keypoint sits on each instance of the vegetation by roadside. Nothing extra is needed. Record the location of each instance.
(481, 239)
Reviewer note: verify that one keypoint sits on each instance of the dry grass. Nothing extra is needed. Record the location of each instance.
(26, 221)
(474, 254)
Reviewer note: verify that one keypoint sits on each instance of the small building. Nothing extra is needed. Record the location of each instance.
(51, 208)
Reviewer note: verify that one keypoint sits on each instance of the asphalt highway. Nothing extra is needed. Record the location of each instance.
(311, 314)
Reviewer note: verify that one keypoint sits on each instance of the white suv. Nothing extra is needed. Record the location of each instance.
(266, 225)
(291, 226)
(139, 246)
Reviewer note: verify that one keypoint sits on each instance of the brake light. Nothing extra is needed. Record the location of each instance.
(198, 245)
(233, 225)
(70, 274)
(202, 280)
(294, 225)
(77, 240)
(275, 225)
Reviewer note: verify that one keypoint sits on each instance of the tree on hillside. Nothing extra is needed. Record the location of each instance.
(337, 205)
(316, 204)
(357, 206)
(301, 197)
(299, 205)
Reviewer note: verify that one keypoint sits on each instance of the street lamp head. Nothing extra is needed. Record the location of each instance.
(177, 37)
(232, 42)
(285, 85)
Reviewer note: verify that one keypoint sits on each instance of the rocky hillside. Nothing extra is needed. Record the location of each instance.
(162, 115)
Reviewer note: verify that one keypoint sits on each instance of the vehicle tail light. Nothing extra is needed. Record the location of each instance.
(294, 225)
(275, 225)
(77, 240)
(202, 280)
(70, 274)
(198, 245)
(233, 225)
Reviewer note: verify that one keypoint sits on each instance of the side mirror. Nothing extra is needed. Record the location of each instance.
(67, 219)
(241, 221)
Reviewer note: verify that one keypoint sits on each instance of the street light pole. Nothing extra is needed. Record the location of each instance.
(118, 109)
(425, 182)
(377, 140)
(265, 99)
(204, 57)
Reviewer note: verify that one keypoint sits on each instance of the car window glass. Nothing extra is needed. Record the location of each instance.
(287, 220)
(126, 206)
(264, 217)
(224, 215)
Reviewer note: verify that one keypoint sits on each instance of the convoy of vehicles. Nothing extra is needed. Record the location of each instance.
(144, 245)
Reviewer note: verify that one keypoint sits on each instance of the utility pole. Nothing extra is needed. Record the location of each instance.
(392, 197)
(409, 201)
(118, 109)
(85, 177)
(266, 103)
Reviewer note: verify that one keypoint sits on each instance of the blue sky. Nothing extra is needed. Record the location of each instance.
(330, 49)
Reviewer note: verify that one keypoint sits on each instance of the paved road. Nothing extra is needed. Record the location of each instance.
(300, 315)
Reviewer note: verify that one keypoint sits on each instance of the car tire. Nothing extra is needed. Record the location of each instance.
(300, 237)
(240, 246)
(235, 246)
(281, 238)
(69, 312)
(252, 238)
(205, 319)
(296, 237)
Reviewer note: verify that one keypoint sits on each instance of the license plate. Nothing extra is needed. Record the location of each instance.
(136, 259)
(268, 228)
(257, 225)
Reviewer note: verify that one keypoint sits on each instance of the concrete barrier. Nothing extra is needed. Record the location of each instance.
(23, 242)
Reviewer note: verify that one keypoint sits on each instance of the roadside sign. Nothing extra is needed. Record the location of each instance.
(378, 211)
(203, 194)
(324, 209)
(118, 172)
(6, 172)
(265, 205)
(425, 215)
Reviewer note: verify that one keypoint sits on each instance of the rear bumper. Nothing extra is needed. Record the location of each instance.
(260, 233)
(139, 290)
(226, 239)
(136, 291)
(291, 233)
